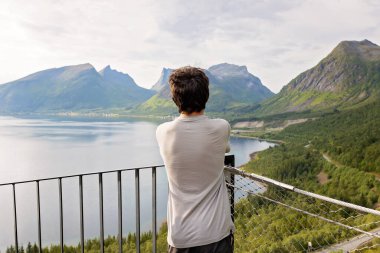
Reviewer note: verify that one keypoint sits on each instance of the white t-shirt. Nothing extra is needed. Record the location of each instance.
(193, 149)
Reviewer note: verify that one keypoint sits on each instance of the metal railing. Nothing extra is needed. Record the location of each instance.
(271, 216)
(101, 206)
(255, 202)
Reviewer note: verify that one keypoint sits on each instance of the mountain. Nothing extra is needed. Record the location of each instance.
(71, 88)
(163, 81)
(348, 77)
(231, 87)
(122, 89)
(236, 85)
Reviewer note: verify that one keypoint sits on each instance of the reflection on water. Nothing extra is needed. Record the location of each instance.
(39, 148)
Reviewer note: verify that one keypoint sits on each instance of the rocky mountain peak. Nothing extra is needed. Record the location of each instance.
(355, 43)
(365, 50)
(81, 66)
(73, 71)
(227, 69)
(163, 80)
(106, 70)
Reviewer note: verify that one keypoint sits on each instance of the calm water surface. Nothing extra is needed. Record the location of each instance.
(39, 148)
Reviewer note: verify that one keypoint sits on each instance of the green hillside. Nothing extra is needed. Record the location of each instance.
(351, 139)
(157, 105)
(337, 155)
(348, 77)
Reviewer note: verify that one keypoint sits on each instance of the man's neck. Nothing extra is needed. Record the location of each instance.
(193, 113)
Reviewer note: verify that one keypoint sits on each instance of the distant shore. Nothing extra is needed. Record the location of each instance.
(256, 138)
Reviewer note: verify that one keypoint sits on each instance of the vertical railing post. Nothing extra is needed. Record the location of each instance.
(101, 215)
(154, 211)
(39, 216)
(229, 160)
(81, 214)
(137, 195)
(120, 212)
(15, 216)
(60, 214)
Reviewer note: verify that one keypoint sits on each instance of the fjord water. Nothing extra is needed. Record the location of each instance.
(33, 148)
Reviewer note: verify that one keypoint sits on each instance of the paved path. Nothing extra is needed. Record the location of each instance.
(351, 244)
(328, 159)
(354, 242)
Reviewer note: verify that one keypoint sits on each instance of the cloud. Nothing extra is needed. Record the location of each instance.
(276, 39)
(199, 19)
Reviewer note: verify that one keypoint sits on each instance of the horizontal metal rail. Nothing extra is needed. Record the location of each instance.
(294, 189)
(82, 174)
(311, 214)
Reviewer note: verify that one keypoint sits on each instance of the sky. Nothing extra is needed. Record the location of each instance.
(276, 40)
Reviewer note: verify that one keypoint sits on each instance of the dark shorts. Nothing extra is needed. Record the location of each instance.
(223, 246)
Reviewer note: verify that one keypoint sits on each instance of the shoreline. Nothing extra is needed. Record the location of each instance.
(254, 154)
(257, 138)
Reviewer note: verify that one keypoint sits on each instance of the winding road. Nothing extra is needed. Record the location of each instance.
(351, 244)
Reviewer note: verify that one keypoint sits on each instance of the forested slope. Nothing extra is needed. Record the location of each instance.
(351, 138)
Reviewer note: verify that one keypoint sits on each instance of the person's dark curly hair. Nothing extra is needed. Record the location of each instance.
(189, 89)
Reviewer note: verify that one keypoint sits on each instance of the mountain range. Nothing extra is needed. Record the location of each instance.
(81, 88)
(347, 77)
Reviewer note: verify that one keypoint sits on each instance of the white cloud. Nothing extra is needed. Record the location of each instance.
(276, 39)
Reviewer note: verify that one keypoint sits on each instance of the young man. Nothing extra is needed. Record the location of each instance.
(193, 148)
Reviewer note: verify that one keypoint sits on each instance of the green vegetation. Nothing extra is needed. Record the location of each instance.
(156, 105)
(110, 244)
(262, 226)
(299, 166)
(351, 138)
